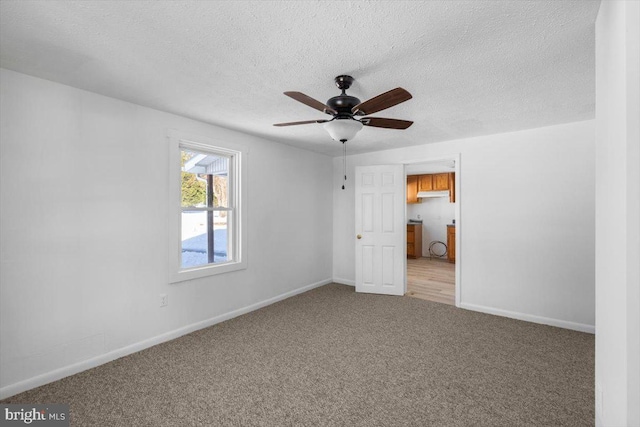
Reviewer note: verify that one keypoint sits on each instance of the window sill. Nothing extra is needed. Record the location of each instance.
(206, 270)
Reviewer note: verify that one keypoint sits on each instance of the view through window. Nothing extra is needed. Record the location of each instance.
(207, 210)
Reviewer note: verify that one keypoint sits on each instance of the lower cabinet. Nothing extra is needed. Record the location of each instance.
(414, 241)
(451, 243)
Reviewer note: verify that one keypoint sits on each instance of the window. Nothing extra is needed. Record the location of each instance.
(206, 221)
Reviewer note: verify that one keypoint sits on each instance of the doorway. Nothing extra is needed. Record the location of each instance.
(432, 213)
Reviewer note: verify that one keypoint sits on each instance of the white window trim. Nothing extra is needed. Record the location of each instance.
(238, 179)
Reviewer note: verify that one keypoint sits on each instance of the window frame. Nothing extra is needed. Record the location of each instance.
(236, 198)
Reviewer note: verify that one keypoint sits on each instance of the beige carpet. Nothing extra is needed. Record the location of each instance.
(334, 357)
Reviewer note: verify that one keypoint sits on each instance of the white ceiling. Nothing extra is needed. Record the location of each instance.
(473, 67)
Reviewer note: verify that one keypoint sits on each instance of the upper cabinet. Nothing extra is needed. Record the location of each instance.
(440, 182)
(412, 189)
(425, 182)
(452, 187)
(431, 182)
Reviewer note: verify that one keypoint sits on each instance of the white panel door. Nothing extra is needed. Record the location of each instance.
(380, 229)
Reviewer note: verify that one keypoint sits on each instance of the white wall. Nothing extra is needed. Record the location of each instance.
(526, 221)
(435, 213)
(84, 214)
(617, 214)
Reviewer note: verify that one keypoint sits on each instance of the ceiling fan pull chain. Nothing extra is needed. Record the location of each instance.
(344, 163)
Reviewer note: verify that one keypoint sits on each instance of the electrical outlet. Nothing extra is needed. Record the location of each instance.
(419, 216)
(164, 300)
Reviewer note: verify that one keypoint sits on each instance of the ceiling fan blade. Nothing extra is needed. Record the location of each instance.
(307, 100)
(306, 122)
(382, 102)
(380, 122)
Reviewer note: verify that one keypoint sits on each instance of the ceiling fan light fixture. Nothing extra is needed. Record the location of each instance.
(343, 129)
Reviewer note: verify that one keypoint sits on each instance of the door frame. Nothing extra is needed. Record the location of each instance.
(457, 169)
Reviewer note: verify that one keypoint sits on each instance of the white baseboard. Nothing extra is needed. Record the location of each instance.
(75, 368)
(344, 281)
(581, 327)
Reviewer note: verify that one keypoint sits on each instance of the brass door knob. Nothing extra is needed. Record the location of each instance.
(359, 236)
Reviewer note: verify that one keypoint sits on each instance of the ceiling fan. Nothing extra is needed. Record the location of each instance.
(347, 110)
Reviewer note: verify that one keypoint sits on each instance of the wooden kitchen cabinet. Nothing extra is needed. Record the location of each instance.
(425, 182)
(434, 182)
(412, 189)
(431, 182)
(440, 182)
(451, 243)
(452, 187)
(414, 241)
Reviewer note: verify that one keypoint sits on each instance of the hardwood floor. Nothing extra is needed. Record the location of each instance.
(431, 279)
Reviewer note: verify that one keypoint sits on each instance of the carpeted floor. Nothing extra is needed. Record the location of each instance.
(334, 357)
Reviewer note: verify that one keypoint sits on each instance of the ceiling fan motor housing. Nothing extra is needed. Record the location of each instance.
(343, 103)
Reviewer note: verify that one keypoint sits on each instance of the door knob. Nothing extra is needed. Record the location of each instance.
(359, 236)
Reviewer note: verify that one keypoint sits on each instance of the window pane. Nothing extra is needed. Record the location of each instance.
(205, 179)
(222, 233)
(221, 191)
(202, 231)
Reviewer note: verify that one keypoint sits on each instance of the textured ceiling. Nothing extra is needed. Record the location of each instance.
(473, 67)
